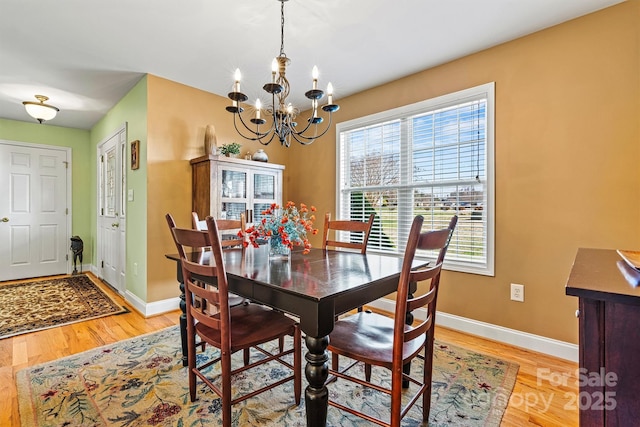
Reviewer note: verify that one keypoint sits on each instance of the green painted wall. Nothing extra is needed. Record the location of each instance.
(132, 110)
(81, 167)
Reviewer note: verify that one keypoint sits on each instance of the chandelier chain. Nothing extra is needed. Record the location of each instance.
(282, 29)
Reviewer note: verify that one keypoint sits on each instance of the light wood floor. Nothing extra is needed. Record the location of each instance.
(544, 394)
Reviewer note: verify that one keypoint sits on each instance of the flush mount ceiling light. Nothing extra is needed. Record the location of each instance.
(39, 110)
(281, 113)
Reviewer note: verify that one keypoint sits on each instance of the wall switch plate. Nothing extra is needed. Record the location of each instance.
(130, 195)
(517, 292)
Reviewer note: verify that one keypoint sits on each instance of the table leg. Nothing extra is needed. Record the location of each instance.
(316, 394)
(183, 326)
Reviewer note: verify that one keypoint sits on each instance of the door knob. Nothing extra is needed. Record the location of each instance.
(115, 224)
(5, 219)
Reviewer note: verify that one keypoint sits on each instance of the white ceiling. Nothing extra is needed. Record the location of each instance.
(85, 55)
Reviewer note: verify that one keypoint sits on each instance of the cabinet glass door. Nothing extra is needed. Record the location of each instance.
(234, 194)
(264, 186)
(264, 194)
(234, 184)
(232, 210)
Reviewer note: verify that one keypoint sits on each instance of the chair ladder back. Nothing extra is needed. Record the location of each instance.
(197, 223)
(224, 225)
(199, 269)
(207, 297)
(404, 282)
(204, 291)
(451, 227)
(350, 336)
(436, 239)
(201, 316)
(424, 325)
(422, 300)
(413, 332)
(429, 240)
(351, 226)
(420, 275)
(432, 240)
(209, 321)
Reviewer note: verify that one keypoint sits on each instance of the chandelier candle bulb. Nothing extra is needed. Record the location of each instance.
(274, 68)
(330, 94)
(237, 77)
(314, 74)
(258, 107)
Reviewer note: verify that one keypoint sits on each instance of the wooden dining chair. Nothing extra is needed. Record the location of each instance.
(362, 230)
(230, 329)
(358, 241)
(378, 340)
(234, 239)
(237, 228)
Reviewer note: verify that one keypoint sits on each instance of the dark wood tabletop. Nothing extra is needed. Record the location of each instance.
(314, 287)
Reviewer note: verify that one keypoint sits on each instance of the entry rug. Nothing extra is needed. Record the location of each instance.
(141, 381)
(42, 304)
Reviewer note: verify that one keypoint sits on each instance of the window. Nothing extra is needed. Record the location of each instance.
(433, 158)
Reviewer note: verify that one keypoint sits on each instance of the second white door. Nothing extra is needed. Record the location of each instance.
(111, 210)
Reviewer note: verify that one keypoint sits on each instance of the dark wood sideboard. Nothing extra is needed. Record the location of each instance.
(609, 334)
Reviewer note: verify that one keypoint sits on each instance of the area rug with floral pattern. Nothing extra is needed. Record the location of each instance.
(141, 381)
(42, 304)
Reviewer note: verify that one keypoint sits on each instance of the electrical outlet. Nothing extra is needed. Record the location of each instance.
(135, 268)
(517, 292)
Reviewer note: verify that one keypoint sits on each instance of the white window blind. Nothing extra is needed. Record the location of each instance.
(433, 158)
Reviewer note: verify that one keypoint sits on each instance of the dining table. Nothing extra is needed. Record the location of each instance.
(315, 287)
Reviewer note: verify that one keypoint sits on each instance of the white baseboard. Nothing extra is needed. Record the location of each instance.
(152, 308)
(513, 337)
(142, 307)
(94, 270)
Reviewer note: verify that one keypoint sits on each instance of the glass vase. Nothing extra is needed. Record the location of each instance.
(278, 250)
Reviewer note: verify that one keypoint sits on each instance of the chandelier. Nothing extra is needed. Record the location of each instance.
(282, 114)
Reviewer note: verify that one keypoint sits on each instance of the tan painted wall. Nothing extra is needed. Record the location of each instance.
(567, 151)
(567, 147)
(177, 118)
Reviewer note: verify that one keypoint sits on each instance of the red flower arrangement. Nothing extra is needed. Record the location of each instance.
(284, 227)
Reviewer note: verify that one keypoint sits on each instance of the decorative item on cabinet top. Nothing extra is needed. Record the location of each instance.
(230, 149)
(260, 156)
(210, 140)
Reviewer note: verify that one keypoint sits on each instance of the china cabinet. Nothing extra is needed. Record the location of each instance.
(226, 187)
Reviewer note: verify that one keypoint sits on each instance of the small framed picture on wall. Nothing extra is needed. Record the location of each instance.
(135, 154)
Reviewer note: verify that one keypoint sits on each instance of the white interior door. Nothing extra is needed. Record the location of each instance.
(35, 210)
(111, 210)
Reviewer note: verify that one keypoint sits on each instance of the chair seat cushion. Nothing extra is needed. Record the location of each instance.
(251, 324)
(368, 337)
